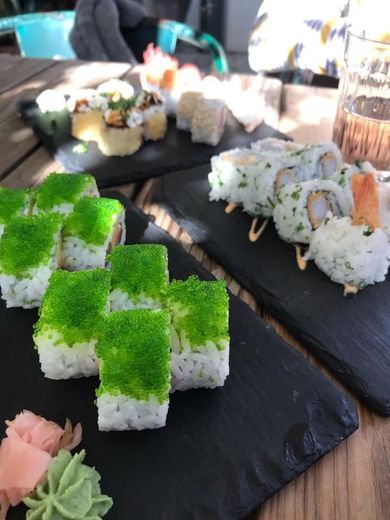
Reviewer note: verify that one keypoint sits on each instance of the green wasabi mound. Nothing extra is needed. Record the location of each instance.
(93, 219)
(12, 203)
(28, 242)
(140, 269)
(74, 304)
(200, 309)
(134, 352)
(60, 188)
(71, 491)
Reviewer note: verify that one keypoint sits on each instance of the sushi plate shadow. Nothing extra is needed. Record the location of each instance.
(174, 152)
(224, 451)
(351, 336)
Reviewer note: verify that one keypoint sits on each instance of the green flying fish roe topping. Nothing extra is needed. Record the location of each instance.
(71, 491)
(140, 269)
(28, 242)
(92, 219)
(207, 309)
(133, 349)
(74, 304)
(60, 188)
(12, 203)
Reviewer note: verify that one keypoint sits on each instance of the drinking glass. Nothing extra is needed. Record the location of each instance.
(362, 125)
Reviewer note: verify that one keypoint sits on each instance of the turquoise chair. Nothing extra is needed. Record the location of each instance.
(42, 35)
(46, 35)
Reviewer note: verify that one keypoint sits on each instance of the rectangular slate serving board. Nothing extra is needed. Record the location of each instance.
(351, 336)
(174, 152)
(223, 451)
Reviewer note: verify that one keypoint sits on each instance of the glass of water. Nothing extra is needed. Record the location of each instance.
(362, 126)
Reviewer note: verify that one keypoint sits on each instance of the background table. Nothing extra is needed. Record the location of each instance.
(353, 481)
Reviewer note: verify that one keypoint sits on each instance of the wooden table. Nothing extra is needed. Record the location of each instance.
(353, 481)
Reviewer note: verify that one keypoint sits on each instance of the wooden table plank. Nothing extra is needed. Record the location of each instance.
(15, 69)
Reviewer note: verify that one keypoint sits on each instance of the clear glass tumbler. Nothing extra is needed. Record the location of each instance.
(362, 126)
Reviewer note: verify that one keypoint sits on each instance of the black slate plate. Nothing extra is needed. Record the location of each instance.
(223, 452)
(349, 335)
(174, 152)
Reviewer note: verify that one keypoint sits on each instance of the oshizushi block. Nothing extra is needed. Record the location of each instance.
(133, 350)
(154, 115)
(13, 203)
(200, 336)
(65, 335)
(60, 191)
(208, 121)
(139, 276)
(28, 256)
(94, 226)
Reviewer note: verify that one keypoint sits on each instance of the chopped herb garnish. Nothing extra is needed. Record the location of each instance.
(343, 182)
(348, 265)
(81, 148)
(271, 202)
(268, 165)
(300, 227)
(294, 210)
(358, 163)
(278, 198)
(297, 193)
(368, 231)
(243, 184)
(326, 220)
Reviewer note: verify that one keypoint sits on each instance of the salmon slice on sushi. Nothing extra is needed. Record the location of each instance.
(29, 252)
(139, 276)
(66, 333)
(133, 351)
(90, 231)
(60, 191)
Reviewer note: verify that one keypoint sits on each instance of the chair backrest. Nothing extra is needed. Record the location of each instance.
(170, 30)
(42, 35)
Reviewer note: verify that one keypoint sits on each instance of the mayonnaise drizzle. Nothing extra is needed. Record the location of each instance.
(255, 235)
(302, 263)
(350, 289)
(230, 207)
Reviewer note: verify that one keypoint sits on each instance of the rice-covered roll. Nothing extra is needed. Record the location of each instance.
(153, 114)
(60, 191)
(343, 177)
(90, 231)
(13, 203)
(133, 350)
(66, 333)
(139, 276)
(185, 109)
(312, 160)
(51, 101)
(29, 252)
(86, 109)
(353, 251)
(208, 121)
(300, 208)
(200, 333)
(176, 81)
(250, 179)
(115, 89)
(121, 130)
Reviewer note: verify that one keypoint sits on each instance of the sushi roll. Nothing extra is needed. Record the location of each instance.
(115, 89)
(353, 251)
(86, 109)
(60, 191)
(133, 350)
(185, 109)
(301, 208)
(176, 81)
(200, 333)
(29, 249)
(139, 276)
(153, 114)
(13, 203)
(121, 130)
(208, 121)
(343, 177)
(66, 333)
(90, 231)
(313, 161)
